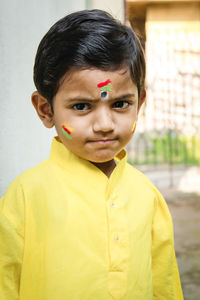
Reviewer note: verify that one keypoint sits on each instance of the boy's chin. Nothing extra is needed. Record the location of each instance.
(101, 161)
(102, 157)
(94, 155)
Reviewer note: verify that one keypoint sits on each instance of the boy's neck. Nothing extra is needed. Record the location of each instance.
(106, 167)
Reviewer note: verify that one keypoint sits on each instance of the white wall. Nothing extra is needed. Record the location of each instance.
(24, 141)
(114, 7)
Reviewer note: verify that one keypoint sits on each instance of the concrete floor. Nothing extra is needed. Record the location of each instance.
(185, 211)
(183, 200)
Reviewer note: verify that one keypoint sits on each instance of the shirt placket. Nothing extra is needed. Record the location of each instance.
(118, 245)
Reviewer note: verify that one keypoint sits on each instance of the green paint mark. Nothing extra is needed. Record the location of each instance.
(67, 135)
(106, 88)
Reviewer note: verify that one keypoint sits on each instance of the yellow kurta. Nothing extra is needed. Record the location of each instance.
(67, 232)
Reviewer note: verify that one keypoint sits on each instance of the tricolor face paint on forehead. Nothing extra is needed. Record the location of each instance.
(67, 130)
(105, 88)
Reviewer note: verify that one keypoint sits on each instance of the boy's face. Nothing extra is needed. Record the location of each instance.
(93, 127)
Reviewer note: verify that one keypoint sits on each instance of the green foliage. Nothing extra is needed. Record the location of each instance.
(170, 148)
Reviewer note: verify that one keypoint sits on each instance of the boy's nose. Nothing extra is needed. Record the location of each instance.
(103, 121)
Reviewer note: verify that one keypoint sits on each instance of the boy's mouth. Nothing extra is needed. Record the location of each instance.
(103, 141)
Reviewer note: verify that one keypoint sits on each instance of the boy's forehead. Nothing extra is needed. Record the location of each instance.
(90, 78)
(83, 86)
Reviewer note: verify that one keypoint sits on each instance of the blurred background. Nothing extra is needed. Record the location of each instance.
(168, 128)
(166, 144)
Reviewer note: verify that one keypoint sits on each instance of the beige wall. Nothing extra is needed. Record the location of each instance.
(170, 12)
(172, 51)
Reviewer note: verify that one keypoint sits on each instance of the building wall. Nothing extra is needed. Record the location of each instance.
(24, 141)
(171, 113)
(173, 64)
(173, 12)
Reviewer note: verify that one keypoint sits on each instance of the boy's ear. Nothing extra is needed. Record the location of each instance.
(43, 109)
(141, 100)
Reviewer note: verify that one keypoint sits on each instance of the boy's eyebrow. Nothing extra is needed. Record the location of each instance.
(123, 97)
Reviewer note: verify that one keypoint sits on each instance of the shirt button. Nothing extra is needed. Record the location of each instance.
(116, 239)
(112, 204)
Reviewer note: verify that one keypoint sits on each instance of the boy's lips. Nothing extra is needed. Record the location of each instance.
(103, 141)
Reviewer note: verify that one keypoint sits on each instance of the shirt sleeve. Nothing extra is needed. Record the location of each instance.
(11, 242)
(166, 280)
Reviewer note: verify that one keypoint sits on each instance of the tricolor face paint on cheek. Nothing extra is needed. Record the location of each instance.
(133, 128)
(105, 88)
(67, 130)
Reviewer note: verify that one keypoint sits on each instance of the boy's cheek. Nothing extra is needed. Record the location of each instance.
(67, 131)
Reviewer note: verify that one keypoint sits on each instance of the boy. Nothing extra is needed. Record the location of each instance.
(84, 224)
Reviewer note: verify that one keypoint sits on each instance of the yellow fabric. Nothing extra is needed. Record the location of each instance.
(69, 232)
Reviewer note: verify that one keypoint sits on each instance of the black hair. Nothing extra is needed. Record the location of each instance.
(87, 39)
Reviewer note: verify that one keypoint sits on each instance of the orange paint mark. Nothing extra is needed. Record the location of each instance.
(133, 128)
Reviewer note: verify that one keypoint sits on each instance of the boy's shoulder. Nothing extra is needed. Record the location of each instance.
(138, 175)
(140, 181)
(37, 170)
(37, 174)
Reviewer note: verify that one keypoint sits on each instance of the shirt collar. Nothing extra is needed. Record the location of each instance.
(80, 167)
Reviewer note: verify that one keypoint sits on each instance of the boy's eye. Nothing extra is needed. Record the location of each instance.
(121, 104)
(81, 106)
